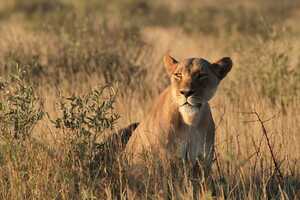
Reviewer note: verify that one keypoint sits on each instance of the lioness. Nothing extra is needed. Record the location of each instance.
(180, 124)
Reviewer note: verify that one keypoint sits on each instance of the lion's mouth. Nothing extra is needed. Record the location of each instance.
(191, 101)
(188, 109)
(192, 105)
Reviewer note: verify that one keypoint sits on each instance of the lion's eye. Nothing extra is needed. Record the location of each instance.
(178, 75)
(202, 76)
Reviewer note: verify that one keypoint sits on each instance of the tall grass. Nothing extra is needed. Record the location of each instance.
(53, 116)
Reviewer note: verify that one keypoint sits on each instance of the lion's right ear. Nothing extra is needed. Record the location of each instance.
(222, 67)
(170, 64)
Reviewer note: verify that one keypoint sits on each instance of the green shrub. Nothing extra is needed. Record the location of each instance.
(20, 108)
(84, 120)
(88, 116)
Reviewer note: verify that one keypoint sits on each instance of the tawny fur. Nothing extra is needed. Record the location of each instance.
(179, 126)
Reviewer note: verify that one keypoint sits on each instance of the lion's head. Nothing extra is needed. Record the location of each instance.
(194, 81)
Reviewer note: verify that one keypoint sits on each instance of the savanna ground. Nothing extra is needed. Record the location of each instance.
(57, 56)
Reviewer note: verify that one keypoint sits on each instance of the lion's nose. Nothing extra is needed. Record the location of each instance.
(187, 92)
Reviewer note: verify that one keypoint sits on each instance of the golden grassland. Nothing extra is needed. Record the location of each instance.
(66, 48)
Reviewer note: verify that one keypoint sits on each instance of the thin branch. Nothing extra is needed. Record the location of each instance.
(277, 167)
(257, 149)
(250, 121)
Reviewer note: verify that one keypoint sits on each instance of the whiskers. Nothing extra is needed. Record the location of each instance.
(181, 100)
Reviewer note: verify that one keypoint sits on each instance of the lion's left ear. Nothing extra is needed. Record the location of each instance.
(170, 64)
(222, 67)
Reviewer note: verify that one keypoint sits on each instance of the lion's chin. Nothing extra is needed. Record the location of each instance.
(189, 113)
(189, 109)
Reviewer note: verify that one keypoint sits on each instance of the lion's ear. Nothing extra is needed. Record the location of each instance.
(222, 67)
(170, 64)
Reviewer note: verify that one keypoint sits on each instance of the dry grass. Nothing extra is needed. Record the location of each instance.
(69, 48)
